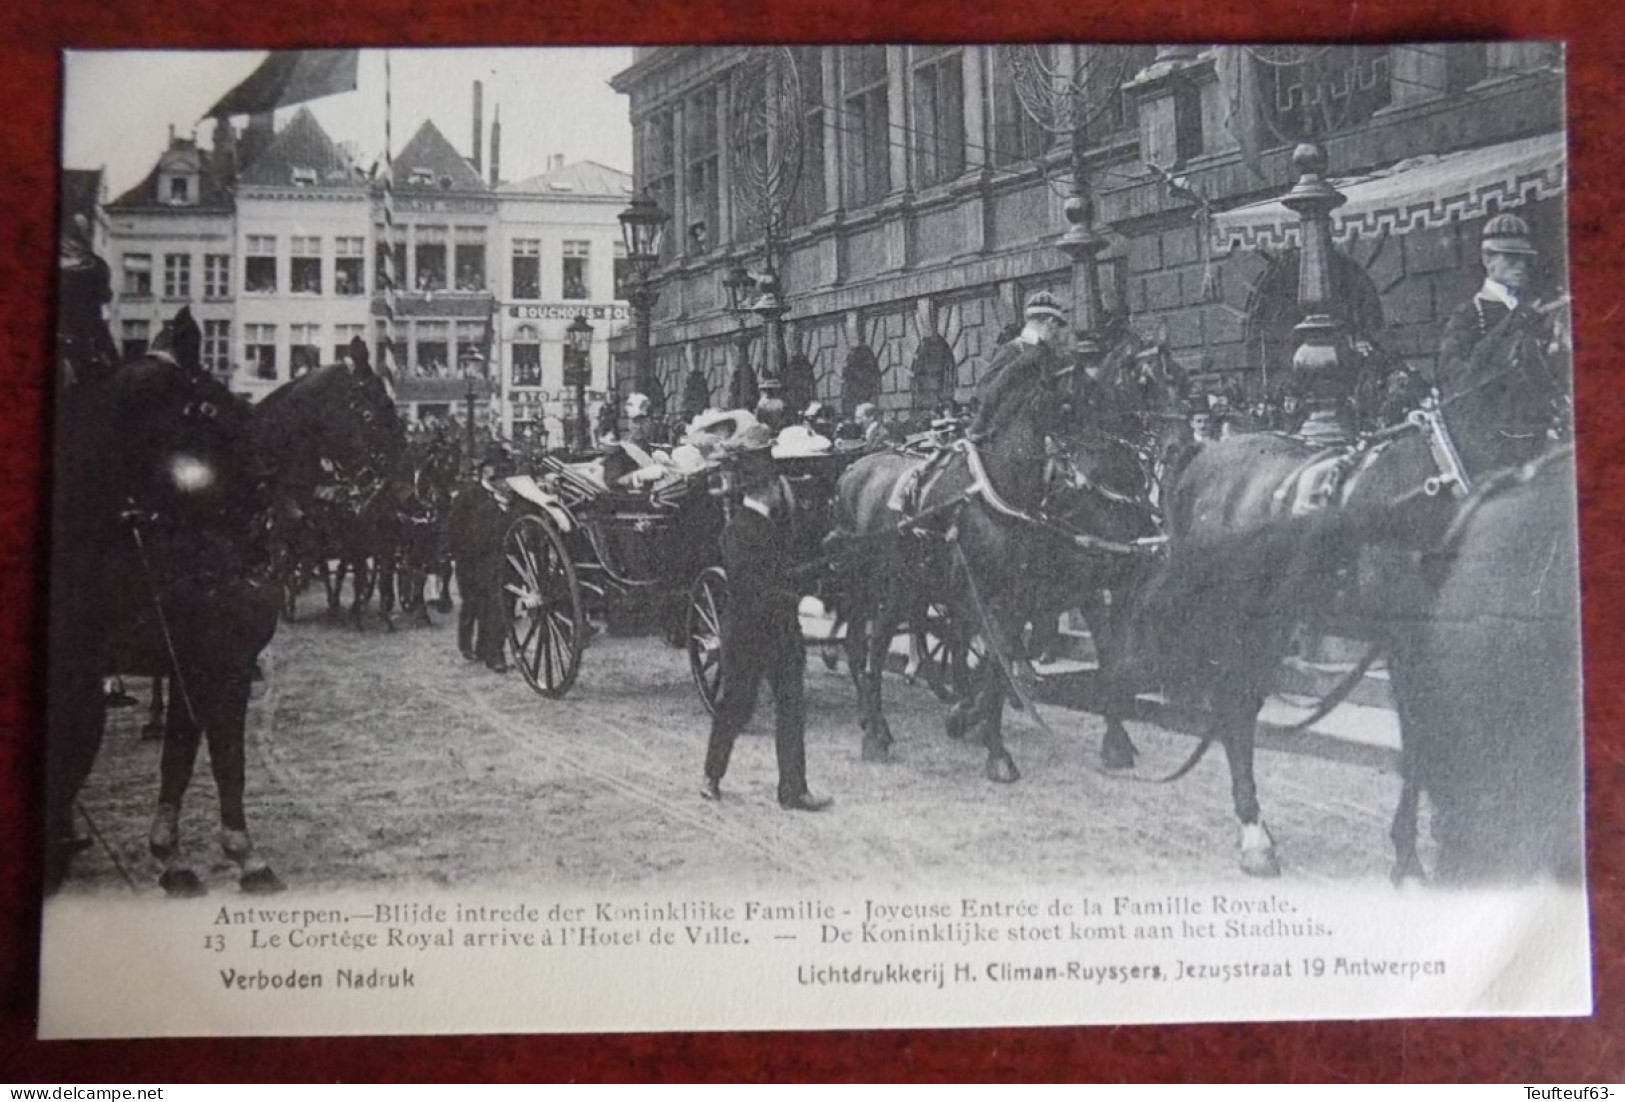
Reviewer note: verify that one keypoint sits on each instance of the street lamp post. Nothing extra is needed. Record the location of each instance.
(578, 353)
(471, 369)
(1321, 361)
(738, 283)
(643, 227)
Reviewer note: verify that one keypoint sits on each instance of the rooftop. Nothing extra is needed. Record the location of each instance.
(583, 179)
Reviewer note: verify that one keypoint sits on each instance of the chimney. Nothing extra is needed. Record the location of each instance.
(171, 135)
(558, 162)
(496, 146)
(225, 151)
(479, 125)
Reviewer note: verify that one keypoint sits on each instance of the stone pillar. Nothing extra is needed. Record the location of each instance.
(834, 136)
(1421, 74)
(1322, 360)
(897, 108)
(973, 81)
(722, 234)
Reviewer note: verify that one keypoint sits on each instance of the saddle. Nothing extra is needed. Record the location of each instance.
(910, 490)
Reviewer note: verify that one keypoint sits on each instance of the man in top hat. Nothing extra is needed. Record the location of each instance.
(1504, 325)
(761, 633)
(478, 518)
(1035, 349)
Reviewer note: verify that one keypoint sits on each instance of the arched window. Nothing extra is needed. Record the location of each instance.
(860, 379)
(932, 374)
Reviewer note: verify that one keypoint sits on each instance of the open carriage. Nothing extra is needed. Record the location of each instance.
(578, 548)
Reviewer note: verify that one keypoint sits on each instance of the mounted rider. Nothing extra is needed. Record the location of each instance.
(1034, 349)
(1510, 344)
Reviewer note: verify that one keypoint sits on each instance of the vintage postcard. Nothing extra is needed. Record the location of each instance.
(700, 538)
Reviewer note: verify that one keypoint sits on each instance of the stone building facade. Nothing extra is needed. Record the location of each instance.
(930, 198)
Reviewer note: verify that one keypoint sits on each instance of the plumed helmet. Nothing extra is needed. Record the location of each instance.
(1042, 304)
(1507, 233)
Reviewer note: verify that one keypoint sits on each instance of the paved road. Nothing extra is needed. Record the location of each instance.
(385, 760)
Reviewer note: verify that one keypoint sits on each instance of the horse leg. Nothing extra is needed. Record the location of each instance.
(1237, 713)
(365, 580)
(1117, 750)
(384, 576)
(443, 601)
(333, 583)
(1403, 832)
(877, 736)
(181, 739)
(1001, 767)
(153, 729)
(226, 708)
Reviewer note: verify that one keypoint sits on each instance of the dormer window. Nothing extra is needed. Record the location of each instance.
(304, 177)
(422, 177)
(179, 190)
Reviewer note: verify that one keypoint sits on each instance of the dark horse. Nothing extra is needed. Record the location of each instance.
(334, 443)
(974, 538)
(158, 570)
(1268, 532)
(430, 472)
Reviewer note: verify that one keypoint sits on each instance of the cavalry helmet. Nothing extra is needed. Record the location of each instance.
(1042, 304)
(1507, 233)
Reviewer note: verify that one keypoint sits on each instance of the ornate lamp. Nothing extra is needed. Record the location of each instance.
(578, 351)
(643, 227)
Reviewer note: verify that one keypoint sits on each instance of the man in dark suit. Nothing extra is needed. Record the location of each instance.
(761, 633)
(478, 519)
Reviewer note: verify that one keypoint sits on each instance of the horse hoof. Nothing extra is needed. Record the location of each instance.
(261, 881)
(164, 834)
(1116, 758)
(1407, 870)
(1258, 851)
(1002, 770)
(181, 883)
(875, 750)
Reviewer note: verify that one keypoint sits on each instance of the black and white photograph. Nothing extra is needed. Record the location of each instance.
(739, 537)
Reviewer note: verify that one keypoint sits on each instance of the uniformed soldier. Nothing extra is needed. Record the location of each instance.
(479, 516)
(1033, 349)
(1506, 343)
(761, 633)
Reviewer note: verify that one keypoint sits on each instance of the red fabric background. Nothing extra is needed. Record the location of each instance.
(32, 32)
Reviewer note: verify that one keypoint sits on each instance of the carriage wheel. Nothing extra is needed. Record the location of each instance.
(708, 596)
(546, 624)
(948, 660)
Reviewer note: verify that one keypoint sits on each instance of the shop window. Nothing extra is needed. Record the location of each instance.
(259, 350)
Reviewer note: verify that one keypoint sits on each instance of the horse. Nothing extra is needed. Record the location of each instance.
(430, 470)
(972, 540)
(1268, 532)
(1488, 687)
(334, 445)
(159, 570)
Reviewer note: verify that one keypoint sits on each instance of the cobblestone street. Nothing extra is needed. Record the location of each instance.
(383, 760)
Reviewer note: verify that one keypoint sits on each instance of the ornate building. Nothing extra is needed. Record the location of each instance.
(929, 185)
(171, 243)
(560, 256)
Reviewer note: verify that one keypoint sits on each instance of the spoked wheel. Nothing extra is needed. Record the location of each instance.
(948, 659)
(546, 623)
(708, 596)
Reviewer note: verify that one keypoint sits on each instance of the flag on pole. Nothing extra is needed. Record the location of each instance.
(288, 77)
